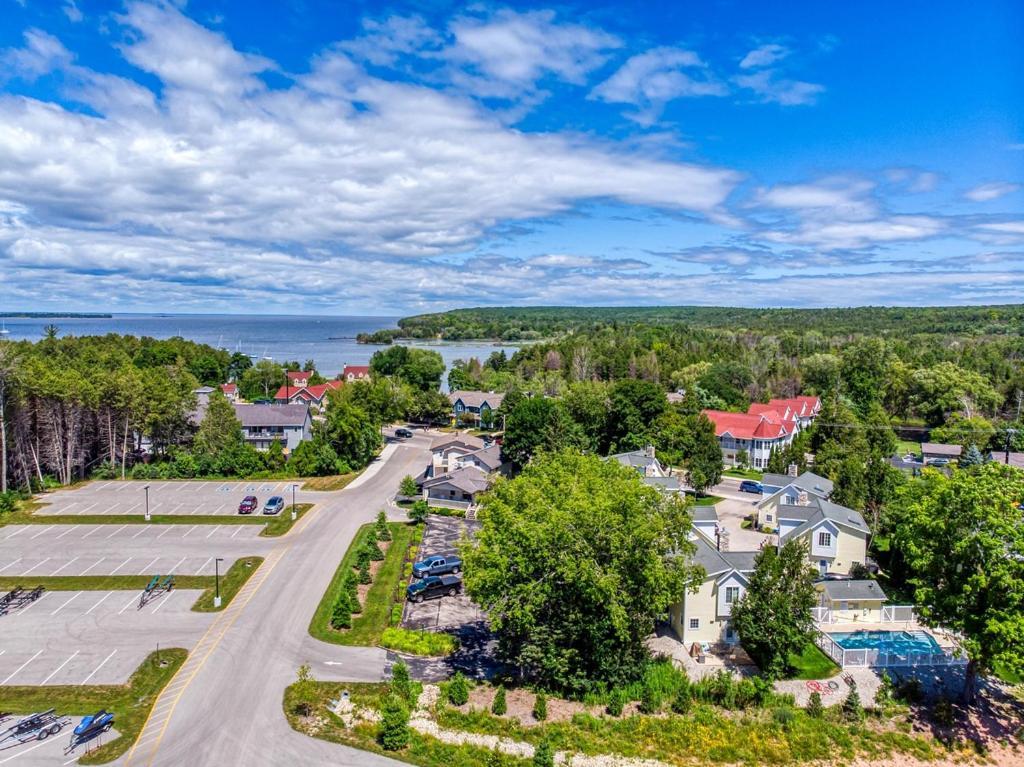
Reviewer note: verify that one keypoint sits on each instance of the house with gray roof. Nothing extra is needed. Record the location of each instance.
(783, 489)
(475, 405)
(704, 617)
(850, 601)
(936, 451)
(263, 424)
(643, 461)
(459, 487)
(836, 537)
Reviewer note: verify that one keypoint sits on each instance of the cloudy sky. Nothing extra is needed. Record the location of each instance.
(364, 158)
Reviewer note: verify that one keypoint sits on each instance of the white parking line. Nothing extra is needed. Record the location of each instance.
(114, 571)
(102, 600)
(12, 564)
(220, 508)
(178, 565)
(73, 527)
(141, 531)
(146, 568)
(43, 531)
(95, 528)
(26, 609)
(130, 603)
(62, 665)
(237, 531)
(203, 568)
(90, 506)
(189, 531)
(19, 668)
(19, 531)
(215, 529)
(130, 509)
(122, 527)
(23, 751)
(90, 567)
(195, 511)
(104, 663)
(69, 562)
(165, 485)
(76, 596)
(163, 601)
(37, 564)
(105, 484)
(166, 530)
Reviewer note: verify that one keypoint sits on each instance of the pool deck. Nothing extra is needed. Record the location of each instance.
(945, 640)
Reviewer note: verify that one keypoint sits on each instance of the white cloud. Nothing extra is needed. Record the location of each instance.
(770, 88)
(42, 53)
(764, 56)
(521, 48)
(992, 191)
(72, 11)
(651, 79)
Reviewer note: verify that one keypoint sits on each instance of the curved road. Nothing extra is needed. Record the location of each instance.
(225, 705)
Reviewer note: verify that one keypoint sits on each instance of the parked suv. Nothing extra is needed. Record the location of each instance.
(403, 433)
(437, 565)
(434, 586)
(274, 505)
(248, 505)
(750, 486)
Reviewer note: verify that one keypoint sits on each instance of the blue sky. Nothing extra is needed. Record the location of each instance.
(329, 157)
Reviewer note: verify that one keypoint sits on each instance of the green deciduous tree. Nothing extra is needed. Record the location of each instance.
(220, 428)
(632, 414)
(574, 561)
(773, 617)
(408, 487)
(704, 461)
(538, 424)
(962, 539)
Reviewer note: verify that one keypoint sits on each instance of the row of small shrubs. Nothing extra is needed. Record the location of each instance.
(663, 684)
(347, 601)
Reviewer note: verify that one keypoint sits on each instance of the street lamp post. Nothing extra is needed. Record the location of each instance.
(216, 582)
(293, 501)
(146, 488)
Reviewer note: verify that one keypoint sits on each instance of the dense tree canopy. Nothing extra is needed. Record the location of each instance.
(575, 559)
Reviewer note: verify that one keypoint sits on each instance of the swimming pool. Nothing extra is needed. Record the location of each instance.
(898, 642)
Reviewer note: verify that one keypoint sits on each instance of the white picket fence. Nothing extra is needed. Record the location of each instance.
(875, 658)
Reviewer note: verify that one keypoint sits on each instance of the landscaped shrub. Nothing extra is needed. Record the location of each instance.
(381, 527)
(304, 692)
(910, 691)
(428, 643)
(364, 573)
(815, 709)
(616, 702)
(351, 587)
(852, 708)
(942, 712)
(543, 755)
(341, 614)
(407, 487)
(650, 699)
(396, 614)
(418, 511)
(458, 690)
(499, 705)
(363, 556)
(394, 724)
(401, 683)
(540, 707)
(375, 553)
(784, 716)
(682, 702)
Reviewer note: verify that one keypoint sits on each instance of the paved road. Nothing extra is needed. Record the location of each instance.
(224, 707)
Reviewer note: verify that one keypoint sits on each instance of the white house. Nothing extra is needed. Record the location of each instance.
(263, 424)
(836, 537)
(764, 428)
(785, 490)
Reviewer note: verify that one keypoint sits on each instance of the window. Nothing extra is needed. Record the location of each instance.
(825, 539)
(732, 594)
(694, 623)
(767, 517)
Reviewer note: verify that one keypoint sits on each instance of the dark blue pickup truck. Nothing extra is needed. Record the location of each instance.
(437, 565)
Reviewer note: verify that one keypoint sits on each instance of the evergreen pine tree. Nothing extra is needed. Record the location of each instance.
(499, 705)
(814, 707)
(341, 614)
(540, 707)
(394, 725)
(543, 755)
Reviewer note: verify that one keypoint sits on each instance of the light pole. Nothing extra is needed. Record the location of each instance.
(146, 488)
(216, 581)
(293, 501)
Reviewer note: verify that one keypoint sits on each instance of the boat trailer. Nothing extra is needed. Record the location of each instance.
(155, 588)
(38, 726)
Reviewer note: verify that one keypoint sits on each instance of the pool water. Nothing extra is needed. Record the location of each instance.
(888, 641)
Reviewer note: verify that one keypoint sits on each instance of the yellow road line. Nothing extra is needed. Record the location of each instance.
(177, 686)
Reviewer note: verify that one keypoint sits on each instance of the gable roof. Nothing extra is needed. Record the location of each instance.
(299, 375)
(457, 440)
(229, 388)
(477, 398)
(469, 479)
(253, 416)
(704, 514)
(317, 392)
(635, 459)
(717, 562)
(809, 481)
(356, 371)
(856, 591)
(817, 511)
(748, 426)
(490, 457)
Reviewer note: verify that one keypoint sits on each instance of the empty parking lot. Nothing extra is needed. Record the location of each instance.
(183, 497)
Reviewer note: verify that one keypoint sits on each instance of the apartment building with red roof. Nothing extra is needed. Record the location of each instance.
(764, 428)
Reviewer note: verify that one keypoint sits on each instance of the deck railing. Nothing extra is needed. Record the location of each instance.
(875, 658)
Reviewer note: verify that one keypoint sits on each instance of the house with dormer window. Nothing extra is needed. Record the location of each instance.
(785, 490)
(836, 537)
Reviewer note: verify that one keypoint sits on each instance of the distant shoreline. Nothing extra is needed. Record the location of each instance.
(54, 316)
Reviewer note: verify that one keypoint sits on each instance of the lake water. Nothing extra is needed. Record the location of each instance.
(329, 341)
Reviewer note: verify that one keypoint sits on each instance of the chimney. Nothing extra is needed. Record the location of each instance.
(649, 452)
(802, 499)
(791, 470)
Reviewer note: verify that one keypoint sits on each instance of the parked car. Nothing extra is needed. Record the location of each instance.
(434, 586)
(248, 505)
(750, 486)
(274, 505)
(403, 433)
(437, 565)
(940, 462)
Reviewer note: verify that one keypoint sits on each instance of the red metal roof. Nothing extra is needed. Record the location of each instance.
(747, 425)
(356, 371)
(306, 393)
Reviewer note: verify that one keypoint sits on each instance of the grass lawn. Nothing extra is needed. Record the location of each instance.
(744, 473)
(231, 583)
(334, 482)
(1007, 675)
(703, 500)
(129, 702)
(812, 663)
(368, 625)
(282, 523)
(905, 446)
(706, 734)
